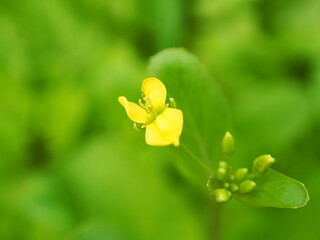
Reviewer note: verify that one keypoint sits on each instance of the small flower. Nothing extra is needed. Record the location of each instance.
(247, 186)
(162, 123)
(228, 145)
(262, 164)
(222, 195)
(241, 174)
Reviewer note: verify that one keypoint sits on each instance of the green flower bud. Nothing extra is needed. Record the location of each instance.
(231, 178)
(234, 187)
(262, 164)
(228, 145)
(223, 164)
(226, 185)
(247, 186)
(241, 174)
(221, 174)
(210, 184)
(222, 195)
(139, 126)
(172, 103)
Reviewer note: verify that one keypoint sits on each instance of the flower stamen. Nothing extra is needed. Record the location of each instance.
(149, 107)
(142, 104)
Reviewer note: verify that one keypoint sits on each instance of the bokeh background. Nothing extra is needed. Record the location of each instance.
(71, 166)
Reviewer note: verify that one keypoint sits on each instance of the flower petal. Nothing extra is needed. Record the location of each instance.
(154, 137)
(156, 92)
(166, 128)
(134, 111)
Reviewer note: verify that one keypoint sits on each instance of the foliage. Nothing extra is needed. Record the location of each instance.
(72, 168)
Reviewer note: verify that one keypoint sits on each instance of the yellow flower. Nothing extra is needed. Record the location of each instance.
(163, 124)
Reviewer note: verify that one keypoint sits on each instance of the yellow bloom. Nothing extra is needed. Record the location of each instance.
(163, 124)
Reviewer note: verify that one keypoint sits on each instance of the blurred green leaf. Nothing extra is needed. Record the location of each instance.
(276, 190)
(200, 98)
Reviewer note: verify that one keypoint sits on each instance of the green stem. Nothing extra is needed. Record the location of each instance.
(216, 217)
(197, 159)
(216, 221)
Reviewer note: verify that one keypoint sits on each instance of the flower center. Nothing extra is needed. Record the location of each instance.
(148, 106)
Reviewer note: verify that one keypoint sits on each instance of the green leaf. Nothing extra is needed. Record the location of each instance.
(276, 190)
(197, 94)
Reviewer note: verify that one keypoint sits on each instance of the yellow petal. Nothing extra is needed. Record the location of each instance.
(166, 128)
(154, 137)
(134, 111)
(156, 92)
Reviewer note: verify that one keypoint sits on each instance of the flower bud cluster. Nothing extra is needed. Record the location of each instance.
(225, 182)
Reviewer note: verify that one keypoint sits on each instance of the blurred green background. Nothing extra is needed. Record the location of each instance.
(72, 167)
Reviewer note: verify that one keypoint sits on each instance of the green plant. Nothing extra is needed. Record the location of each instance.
(206, 118)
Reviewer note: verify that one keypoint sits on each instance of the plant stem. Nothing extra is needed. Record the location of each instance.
(215, 207)
(216, 221)
(197, 159)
